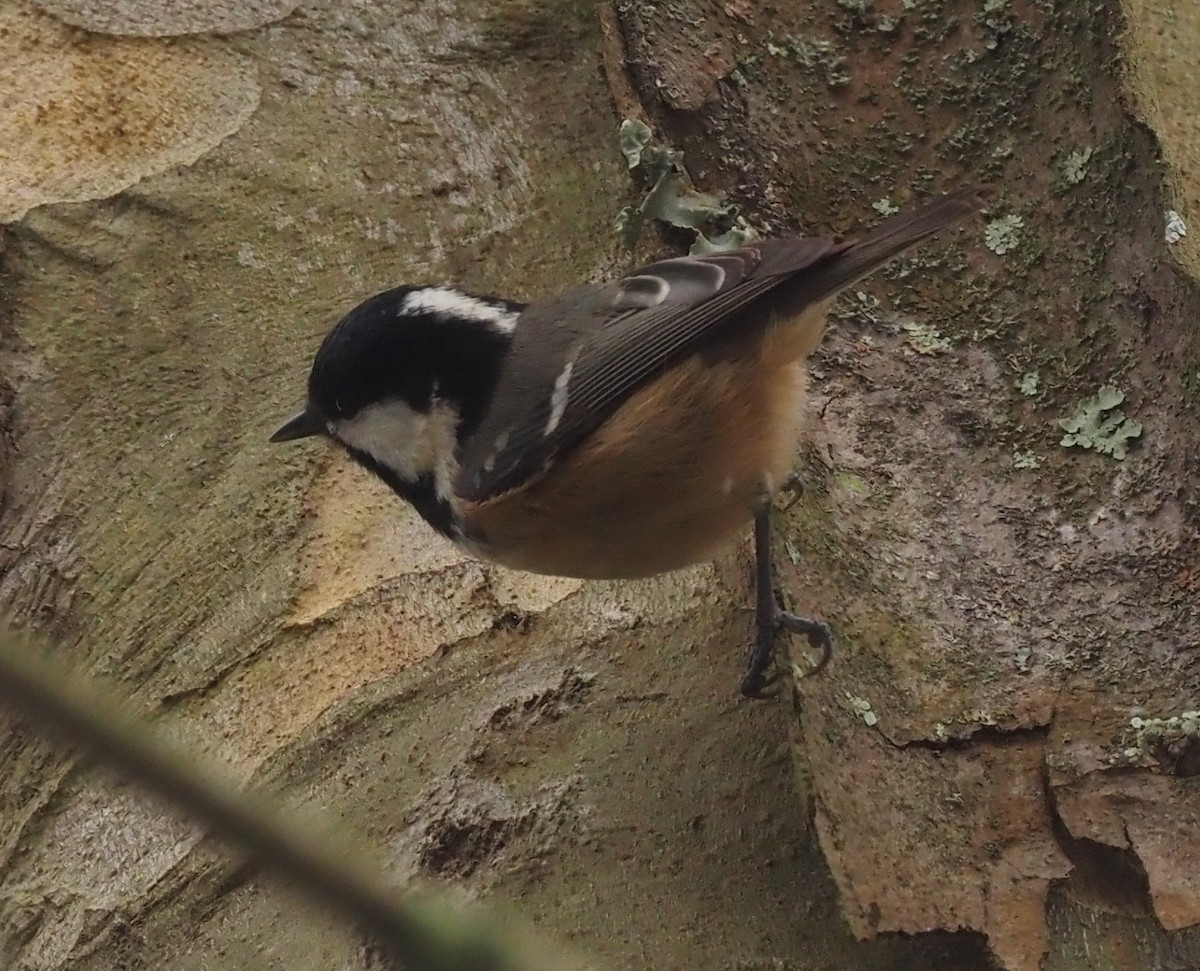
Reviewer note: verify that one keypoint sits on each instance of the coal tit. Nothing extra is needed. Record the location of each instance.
(618, 429)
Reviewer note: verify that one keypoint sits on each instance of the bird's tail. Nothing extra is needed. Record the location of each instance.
(853, 259)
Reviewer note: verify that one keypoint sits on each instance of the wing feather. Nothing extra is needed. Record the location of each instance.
(577, 357)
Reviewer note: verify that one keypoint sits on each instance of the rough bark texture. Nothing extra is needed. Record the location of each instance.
(1004, 622)
(580, 749)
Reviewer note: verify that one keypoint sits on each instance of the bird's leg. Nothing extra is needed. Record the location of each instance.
(770, 616)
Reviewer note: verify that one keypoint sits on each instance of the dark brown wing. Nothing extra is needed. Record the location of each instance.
(576, 357)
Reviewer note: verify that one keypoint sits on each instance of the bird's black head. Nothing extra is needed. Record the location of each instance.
(412, 345)
(403, 378)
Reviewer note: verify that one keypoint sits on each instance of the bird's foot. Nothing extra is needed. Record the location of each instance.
(820, 638)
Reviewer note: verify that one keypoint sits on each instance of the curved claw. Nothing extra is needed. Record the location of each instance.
(756, 679)
(794, 484)
(819, 636)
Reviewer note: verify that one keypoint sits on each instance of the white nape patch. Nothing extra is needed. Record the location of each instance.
(558, 400)
(447, 302)
(727, 485)
(410, 443)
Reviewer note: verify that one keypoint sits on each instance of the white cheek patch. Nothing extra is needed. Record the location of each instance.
(558, 400)
(410, 443)
(444, 302)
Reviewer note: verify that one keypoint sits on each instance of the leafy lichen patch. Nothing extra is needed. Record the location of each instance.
(1097, 425)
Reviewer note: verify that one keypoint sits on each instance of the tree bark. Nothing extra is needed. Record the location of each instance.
(577, 749)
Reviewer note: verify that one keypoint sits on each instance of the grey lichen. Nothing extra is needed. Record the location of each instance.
(1090, 426)
(1176, 228)
(996, 20)
(1155, 736)
(673, 198)
(816, 54)
(1003, 235)
(862, 708)
(925, 339)
(1075, 165)
(1029, 384)
(865, 306)
(633, 137)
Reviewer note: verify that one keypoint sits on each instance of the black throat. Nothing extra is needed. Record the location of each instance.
(420, 493)
(383, 351)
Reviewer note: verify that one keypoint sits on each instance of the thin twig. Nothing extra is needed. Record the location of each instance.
(424, 933)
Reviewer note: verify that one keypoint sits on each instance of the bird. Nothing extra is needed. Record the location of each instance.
(614, 430)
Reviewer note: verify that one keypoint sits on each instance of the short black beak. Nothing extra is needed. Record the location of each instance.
(302, 425)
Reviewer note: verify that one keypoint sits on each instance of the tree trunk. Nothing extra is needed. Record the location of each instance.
(205, 207)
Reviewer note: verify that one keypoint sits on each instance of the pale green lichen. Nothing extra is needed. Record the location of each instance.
(793, 552)
(884, 207)
(996, 21)
(634, 137)
(673, 198)
(864, 305)
(1025, 460)
(1152, 735)
(1176, 228)
(1075, 166)
(1091, 428)
(854, 484)
(924, 339)
(815, 54)
(862, 708)
(740, 233)
(1029, 383)
(1002, 235)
